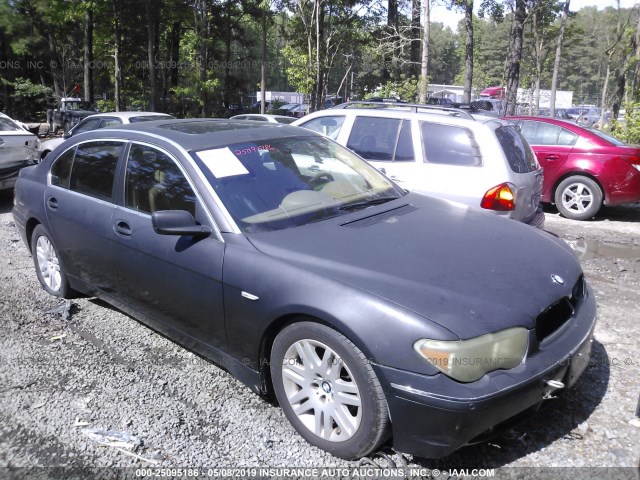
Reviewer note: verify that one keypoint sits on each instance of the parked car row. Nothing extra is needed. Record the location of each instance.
(482, 162)
(370, 313)
(442, 151)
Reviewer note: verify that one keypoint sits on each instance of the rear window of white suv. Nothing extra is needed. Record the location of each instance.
(519, 155)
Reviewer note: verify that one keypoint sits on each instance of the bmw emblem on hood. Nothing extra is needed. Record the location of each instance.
(557, 279)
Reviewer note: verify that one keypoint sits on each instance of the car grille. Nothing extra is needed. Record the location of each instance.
(557, 314)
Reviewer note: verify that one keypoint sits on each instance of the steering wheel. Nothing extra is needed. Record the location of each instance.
(319, 179)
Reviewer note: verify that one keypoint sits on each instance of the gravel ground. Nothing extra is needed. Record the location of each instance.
(101, 369)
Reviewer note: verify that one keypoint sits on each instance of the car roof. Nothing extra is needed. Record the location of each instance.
(126, 115)
(556, 121)
(267, 115)
(406, 110)
(198, 134)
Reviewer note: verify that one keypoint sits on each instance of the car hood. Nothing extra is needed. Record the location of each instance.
(468, 271)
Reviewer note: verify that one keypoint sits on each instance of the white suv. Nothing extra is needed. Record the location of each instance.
(480, 161)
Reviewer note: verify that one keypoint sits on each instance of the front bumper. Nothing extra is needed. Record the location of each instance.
(8, 177)
(432, 416)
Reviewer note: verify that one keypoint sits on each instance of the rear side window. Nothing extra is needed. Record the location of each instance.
(519, 155)
(450, 145)
(567, 138)
(541, 133)
(384, 139)
(329, 126)
(61, 169)
(155, 182)
(94, 168)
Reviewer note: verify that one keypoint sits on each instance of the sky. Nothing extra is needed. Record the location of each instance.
(441, 14)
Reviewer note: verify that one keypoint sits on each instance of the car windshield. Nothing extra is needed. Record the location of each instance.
(8, 125)
(606, 137)
(78, 105)
(288, 182)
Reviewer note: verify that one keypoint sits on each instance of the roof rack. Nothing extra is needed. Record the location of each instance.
(408, 107)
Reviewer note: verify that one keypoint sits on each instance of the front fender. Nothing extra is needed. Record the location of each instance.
(385, 332)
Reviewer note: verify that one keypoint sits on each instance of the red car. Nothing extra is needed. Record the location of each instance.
(584, 168)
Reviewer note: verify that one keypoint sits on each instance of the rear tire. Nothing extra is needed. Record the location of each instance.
(578, 198)
(328, 390)
(50, 272)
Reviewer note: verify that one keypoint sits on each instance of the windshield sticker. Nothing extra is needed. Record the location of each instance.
(261, 148)
(222, 162)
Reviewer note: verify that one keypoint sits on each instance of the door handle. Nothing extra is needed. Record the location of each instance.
(123, 228)
(551, 157)
(53, 203)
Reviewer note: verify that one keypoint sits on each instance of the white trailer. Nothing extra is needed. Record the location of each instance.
(564, 98)
(286, 97)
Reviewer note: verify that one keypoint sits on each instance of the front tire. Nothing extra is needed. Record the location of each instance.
(578, 198)
(328, 390)
(51, 273)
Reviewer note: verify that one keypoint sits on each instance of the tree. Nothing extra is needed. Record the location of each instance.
(424, 67)
(151, 8)
(88, 53)
(467, 7)
(558, 58)
(515, 56)
(542, 14)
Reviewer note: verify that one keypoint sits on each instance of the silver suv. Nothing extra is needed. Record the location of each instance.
(480, 161)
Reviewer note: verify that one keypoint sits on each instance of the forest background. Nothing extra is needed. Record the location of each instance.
(205, 58)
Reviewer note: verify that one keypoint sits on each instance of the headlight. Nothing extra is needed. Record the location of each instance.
(469, 360)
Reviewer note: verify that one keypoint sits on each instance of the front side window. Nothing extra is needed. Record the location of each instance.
(155, 182)
(450, 145)
(94, 168)
(292, 181)
(329, 126)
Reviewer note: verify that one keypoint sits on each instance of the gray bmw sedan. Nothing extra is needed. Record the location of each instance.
(370, 314)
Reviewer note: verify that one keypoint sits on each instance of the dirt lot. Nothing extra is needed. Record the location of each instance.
(101, 369)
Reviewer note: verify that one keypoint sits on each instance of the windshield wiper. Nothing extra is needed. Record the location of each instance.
(366, 203)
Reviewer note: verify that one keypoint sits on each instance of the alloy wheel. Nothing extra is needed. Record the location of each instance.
(48, 263)
(577, 197)
(321, 390)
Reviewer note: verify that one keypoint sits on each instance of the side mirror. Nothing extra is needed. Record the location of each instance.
(178, 222)
(67, 135)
